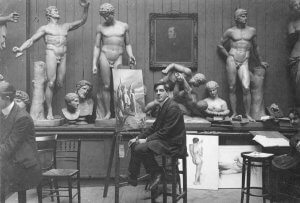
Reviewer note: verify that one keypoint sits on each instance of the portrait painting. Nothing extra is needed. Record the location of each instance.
(202, 161)
(129, 99)
(173, 39)
(230, 166)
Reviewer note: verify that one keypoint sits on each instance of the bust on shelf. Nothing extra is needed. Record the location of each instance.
(217, 107)
(22, 99)
(86, 104)
(71, 111)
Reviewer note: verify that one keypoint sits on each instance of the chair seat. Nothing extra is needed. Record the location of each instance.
(60, 172)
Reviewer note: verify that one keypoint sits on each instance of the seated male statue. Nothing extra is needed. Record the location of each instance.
(165, 137)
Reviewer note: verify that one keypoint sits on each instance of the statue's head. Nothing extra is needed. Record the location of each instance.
(172, 32)
(294, 5)
(240, 15)
(107, 11)
(84, 89)
(52, 12)
(195, 139)
(212, 88)
(22, 99)
(72, 101)
(7, 94)
(197, 80)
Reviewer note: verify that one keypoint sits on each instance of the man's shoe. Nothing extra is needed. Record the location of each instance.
(156, 181)
(129, 180)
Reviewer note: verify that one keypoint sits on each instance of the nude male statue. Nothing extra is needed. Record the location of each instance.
(111, 37)
(55, 37)
(242, 39)
(12, 17)
(196, 150)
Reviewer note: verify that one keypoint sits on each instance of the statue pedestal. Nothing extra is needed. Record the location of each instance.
(49, 123)
(106, 123)
(190, 122)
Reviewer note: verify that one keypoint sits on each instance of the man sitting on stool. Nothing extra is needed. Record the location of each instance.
(165, 137)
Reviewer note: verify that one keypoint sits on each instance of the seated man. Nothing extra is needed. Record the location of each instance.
(166, 136)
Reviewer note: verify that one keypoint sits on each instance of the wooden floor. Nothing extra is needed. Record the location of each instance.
(93, 194)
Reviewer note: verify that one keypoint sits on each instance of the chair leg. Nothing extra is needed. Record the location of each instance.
(174, 181)
(243, 180)
(51, 189)
(22, 196)
(56, 190)
(70, 189)
(164, 180)
(184, 180)
(78, 189)
(248, 181)
(39, 193)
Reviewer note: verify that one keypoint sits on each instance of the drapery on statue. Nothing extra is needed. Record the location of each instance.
(216, 105)
(294, 45)
(13, 17)
(55, 37)
(242, 39)
(38, 93)
(71, 111)
(22, 99)
(111, 37)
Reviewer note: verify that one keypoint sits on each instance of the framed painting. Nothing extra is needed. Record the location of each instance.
(173, 39)
(129, 99)
(230, 166)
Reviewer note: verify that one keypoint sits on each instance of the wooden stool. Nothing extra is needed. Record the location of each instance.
(249, 161)
(174, 172)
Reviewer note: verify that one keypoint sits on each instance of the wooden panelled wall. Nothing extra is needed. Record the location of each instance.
(269, 17)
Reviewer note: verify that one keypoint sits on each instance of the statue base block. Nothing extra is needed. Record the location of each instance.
(106, 123)
(190, 122)
(49, 123)
(247, 124)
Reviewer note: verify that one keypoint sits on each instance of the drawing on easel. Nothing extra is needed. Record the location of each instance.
(202, 162)
(230, 166)
(129, 99)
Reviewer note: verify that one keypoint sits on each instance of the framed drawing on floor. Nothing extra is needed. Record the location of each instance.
(173, 38)
(129, 99)
(202, 162)
(230, 166)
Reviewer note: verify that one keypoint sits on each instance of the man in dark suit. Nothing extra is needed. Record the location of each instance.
(166, 136)
(20, 167)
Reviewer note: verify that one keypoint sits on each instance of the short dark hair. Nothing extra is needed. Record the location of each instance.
(195, 139)
(166, 85)
(6, 89)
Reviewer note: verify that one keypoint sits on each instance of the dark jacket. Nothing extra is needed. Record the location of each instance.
(20, 166)
(169, 128)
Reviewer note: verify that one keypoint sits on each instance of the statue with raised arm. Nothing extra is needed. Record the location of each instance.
(242, 39)
(216, 105)
(111, 38)
(12, 17)
(294, 45)
(55, 37)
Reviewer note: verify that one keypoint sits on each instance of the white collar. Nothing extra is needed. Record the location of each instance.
(162, 103)
(8, 109)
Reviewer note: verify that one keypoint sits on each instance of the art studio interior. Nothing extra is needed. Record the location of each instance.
(149, 101)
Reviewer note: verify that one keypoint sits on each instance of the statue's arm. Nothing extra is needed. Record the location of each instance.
(12, 17)
(128, 46)
(224, 39)
(28, 43)
(76, 24)
(96, 52)
(225, 111)
(292, 36)
(256, 49)
(178, 68)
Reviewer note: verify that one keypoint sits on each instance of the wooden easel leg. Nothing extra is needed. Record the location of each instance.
(117, 168)
(111, 157)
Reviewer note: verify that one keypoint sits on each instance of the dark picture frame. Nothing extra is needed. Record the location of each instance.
(173, 39)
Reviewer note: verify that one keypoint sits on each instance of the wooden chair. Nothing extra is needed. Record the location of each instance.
(63, 152)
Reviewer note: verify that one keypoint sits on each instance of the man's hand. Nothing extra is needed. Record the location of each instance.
(131, 142)
(14, 17)
(141, 141)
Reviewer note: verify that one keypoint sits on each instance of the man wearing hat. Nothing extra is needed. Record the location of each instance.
(20, 167)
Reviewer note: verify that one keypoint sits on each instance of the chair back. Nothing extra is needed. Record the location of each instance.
(46, 147)
(68, 153)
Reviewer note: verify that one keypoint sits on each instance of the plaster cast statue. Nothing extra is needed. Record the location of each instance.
(196, 151)
(71, 112)
(257, 76)
(55, 37)
(22, 99)
(216, 105)
(242, 39)
(37, 111)
(181, 81)
(294, 44)
(13, 17)
(86, 104)
(111, 38)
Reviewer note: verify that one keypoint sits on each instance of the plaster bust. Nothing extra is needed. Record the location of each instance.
(21, 99)
(71, 111)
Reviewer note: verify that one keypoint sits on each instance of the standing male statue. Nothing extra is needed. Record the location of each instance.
(55, 37)
(111, 38)
(242, 39)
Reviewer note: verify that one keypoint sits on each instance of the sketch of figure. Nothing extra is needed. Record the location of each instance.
(196, 150)
(227, 168)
